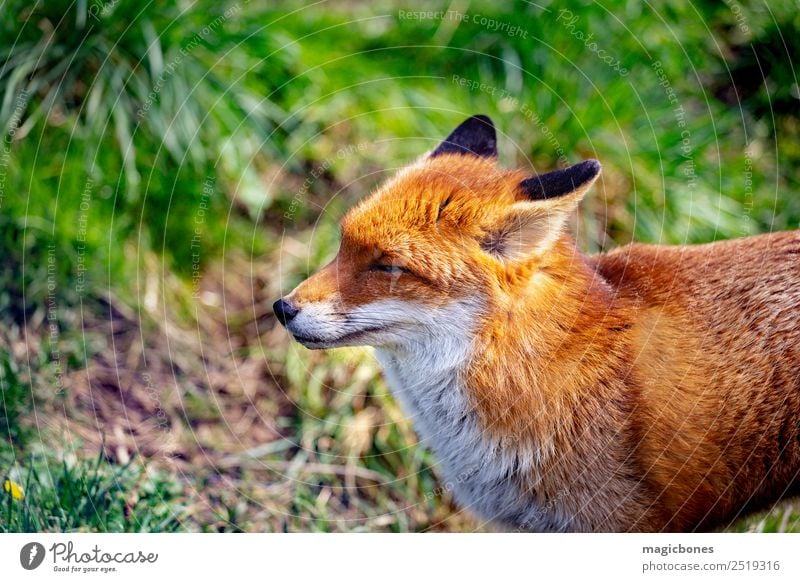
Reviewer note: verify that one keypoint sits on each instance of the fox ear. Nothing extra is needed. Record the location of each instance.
(572, 182)
(533, 224)
(475, 136)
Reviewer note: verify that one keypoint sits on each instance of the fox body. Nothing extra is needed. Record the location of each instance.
(652, 388)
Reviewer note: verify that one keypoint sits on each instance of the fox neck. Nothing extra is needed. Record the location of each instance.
(544, 348)
(428, 379)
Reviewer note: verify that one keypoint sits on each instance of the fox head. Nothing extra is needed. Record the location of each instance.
(445, 240)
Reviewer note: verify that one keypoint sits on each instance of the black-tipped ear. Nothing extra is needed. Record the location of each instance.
(554, 184)
(475, 136)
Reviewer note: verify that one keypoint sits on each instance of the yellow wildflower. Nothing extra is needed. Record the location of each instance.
(14, 489)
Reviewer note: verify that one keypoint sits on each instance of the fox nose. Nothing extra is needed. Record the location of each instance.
(284, 311)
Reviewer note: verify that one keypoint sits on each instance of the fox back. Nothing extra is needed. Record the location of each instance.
(652, 388)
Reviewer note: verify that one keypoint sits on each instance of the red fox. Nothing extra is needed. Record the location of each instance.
(652, 388)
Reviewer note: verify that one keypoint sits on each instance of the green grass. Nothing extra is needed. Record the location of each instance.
(15, 402)
(784, 518)
(131, 124)
(67, 495)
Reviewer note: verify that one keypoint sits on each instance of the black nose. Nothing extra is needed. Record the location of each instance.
(284, 311)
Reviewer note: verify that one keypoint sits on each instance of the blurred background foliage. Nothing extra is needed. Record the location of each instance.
(167, 169)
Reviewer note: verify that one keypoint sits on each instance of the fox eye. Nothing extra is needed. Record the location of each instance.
(393, 269)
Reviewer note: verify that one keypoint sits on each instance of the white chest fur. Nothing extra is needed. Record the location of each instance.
(426, 378)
